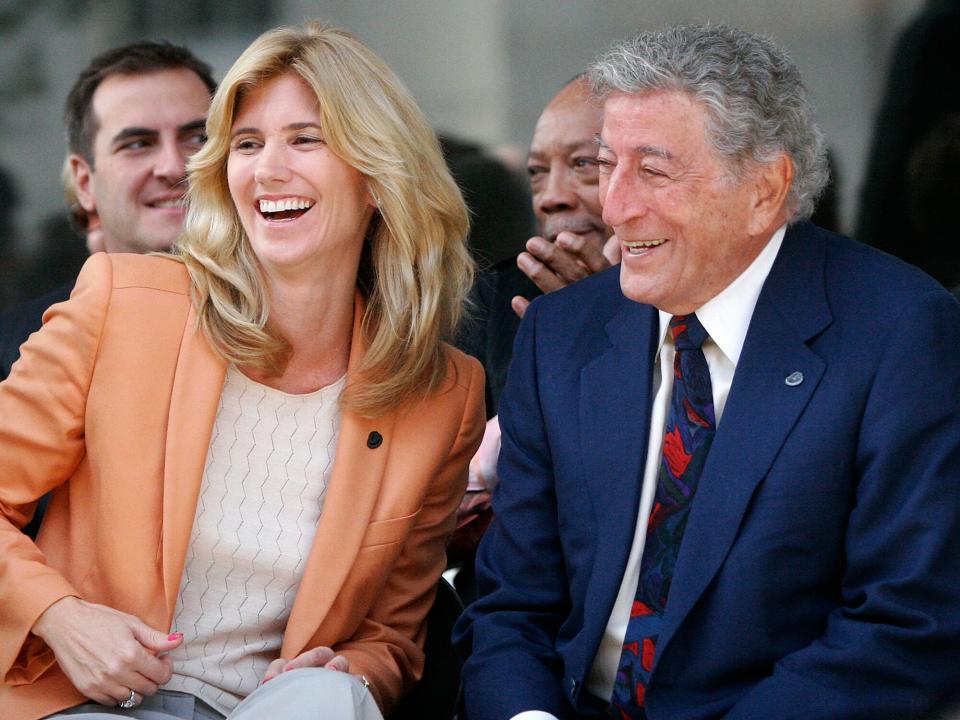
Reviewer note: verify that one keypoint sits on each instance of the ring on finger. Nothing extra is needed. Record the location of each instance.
(130, 701)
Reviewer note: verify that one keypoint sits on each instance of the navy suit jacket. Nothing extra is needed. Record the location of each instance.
(819, 575)
(16, 325)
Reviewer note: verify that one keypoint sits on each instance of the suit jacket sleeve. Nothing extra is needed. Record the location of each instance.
(509, 634)
(386, 647)
(889, 649)
(41, 442)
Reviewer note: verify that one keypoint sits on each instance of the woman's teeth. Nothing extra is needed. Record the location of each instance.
(272, 206)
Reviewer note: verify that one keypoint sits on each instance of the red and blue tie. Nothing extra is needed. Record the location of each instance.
(690, 427)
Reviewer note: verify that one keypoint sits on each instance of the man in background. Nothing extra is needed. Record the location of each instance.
(562, 167)
(573, 242)
(133, 118)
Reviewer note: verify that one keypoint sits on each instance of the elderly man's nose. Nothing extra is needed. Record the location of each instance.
(621, 199)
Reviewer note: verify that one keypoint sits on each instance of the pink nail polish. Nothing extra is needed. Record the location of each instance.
(174, 636)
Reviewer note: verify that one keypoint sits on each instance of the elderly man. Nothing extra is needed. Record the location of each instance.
(134, 116)
(730, 467)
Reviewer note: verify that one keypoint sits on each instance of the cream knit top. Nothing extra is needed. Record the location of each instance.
(266, 475)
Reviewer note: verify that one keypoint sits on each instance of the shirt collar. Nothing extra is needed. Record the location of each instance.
(726, 316)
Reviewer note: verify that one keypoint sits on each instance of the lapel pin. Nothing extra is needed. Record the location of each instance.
(374, 440)
(793, 379)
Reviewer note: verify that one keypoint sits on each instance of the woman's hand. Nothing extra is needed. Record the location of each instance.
(317, 657)
(106, 653)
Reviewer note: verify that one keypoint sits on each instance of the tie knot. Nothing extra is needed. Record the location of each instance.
(687, 332)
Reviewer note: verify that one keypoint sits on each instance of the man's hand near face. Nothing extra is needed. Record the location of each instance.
(552, 266)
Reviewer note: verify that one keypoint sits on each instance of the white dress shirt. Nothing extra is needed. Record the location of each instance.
(726, 318)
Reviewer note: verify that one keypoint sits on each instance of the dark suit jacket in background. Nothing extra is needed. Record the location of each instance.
(18, 322)
(909, 212)
(16, 325)
(491, 326)
(819, 575)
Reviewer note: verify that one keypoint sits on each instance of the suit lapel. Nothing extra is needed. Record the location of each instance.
(761, 410)
(615, 401)
(351, 495)
(194, 400)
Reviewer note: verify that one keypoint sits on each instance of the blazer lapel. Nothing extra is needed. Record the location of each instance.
(194, 401)
(615, 401)
(351, 495)
(762, 408)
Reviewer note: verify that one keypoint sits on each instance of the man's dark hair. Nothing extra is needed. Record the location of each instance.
(139, 58)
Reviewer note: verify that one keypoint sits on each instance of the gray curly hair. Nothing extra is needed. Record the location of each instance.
(755, 101)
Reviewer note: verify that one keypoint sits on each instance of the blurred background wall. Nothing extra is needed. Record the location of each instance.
(481, 69)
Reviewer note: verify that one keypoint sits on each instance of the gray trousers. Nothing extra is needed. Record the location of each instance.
(304, 694)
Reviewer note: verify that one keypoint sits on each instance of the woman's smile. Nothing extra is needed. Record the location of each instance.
(283, 209)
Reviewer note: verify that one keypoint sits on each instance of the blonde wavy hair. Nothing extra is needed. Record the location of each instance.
(415, 270)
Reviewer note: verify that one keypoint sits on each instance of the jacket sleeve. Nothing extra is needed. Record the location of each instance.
(890, 648)
(386, 647)
(508, 635)
(42, 404)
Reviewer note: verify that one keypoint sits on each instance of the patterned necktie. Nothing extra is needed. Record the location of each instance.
(687, 438)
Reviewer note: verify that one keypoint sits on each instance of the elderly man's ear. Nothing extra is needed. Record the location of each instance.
(772, 182)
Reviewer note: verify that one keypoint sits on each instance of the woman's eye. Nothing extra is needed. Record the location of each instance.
(306, 140)
(245, 144)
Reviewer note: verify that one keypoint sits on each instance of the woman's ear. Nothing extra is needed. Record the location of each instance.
(373, 198)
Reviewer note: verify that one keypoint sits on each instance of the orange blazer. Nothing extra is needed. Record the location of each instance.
(112, 406)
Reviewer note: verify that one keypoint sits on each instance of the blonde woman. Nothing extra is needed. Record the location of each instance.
(256, 448)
